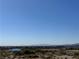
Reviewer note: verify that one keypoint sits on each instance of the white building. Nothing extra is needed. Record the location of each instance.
(63, 57)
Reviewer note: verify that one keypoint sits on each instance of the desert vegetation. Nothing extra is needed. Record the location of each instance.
(39, 53)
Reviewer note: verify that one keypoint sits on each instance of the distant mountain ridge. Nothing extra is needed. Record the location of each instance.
(45, 46)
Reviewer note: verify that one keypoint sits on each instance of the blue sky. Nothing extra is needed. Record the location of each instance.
(30, 22)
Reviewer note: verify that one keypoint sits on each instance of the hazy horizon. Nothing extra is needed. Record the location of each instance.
(30, 22)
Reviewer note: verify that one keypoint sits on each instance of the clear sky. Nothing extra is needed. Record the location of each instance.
(27, 22)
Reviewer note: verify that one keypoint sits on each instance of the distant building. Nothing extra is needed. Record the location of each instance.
(63, 57)
(71, 52)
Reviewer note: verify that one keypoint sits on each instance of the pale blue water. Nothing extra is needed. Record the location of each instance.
(15, 49)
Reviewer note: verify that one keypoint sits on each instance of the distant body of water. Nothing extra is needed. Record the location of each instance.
(15, 49)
